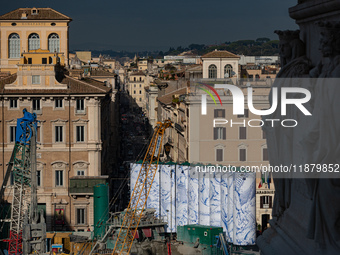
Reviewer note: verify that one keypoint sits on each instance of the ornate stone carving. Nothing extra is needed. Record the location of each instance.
(322, 142)
(308, 210)
(294, 64)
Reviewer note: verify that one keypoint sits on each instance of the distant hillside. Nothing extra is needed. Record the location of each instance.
(259, 47)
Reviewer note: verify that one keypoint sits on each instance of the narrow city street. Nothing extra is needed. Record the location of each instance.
(134, 138)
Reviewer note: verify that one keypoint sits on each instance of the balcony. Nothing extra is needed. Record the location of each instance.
(83, 185)
(179, 128)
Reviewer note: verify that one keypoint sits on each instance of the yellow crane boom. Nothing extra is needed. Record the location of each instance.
(141, 191)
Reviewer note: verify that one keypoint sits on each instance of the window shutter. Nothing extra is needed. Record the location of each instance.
(219, 155)
(243, 133)
(270, 202)
(223, 113)
(261, 201)
(246, 113)
(242, 154)
(215, 133)
(224, 133)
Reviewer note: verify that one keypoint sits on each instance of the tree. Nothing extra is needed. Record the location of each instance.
(262, 40)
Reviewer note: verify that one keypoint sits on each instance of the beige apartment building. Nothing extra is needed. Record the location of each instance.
(220, 64)
(232, 141)
(194, 138)
(69, 133)
(143, 64)
(174, 107)
(26, 29)
(136, 87)
(74, 116)
(110, 64)
(103, 75)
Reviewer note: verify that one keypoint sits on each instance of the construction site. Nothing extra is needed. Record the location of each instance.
(171, 211)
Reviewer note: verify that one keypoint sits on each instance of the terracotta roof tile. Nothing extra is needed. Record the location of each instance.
(86, 85)
(167, 99)
(43, 14)
(220, 54)
(138, 73)
(100, 72)
(75, 86)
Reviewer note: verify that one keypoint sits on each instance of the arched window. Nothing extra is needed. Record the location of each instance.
(228, 71)
(14, 46)
(212, 71)
(53, 42)
(33, 42)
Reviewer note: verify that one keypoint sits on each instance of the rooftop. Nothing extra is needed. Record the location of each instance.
(101, 72)
(74, 86)
(167, 99)
(137, 73)
(220, 54)
(40, 14)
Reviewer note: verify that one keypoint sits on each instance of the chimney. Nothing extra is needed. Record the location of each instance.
(24, 15)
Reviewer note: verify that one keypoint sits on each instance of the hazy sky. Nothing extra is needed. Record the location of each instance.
(156, 25)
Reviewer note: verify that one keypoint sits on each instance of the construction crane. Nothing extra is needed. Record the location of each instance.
(27, 228)
(141, 191)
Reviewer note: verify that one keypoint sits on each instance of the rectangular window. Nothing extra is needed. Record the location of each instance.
(59, 178)
(80, 105)
(36, 105)
(243, 155)
(219, 113)
(58, 103)
(12, 133)
(35, 79)
(242, 132)
(13, 103)
(245, 115)
(80, 172)
(220, 133)
(38, 134)
(266, 202)
(219, 154)
(29, 61)
(58, 134)
(264, 154)
(80, 133)
(38, 178)
(44, 61)
(80, 216)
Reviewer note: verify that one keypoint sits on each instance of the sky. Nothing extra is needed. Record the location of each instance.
(157, 25)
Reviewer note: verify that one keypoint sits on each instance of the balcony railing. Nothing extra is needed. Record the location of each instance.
(84, 184)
